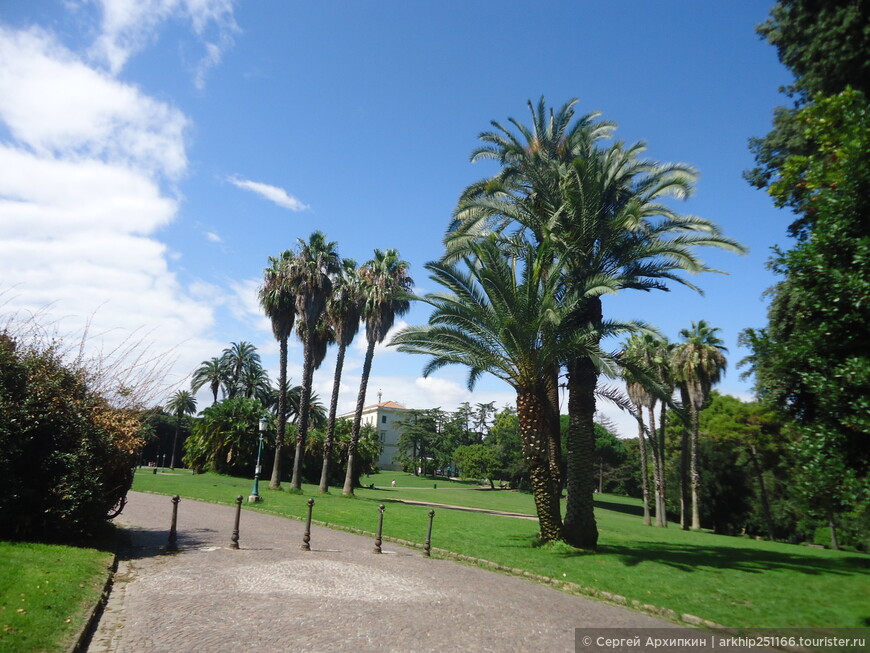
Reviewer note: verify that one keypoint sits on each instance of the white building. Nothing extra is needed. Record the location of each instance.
(386, 418)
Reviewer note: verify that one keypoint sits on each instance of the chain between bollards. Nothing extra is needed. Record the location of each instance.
(428, 547)
(307, 537)
(235, 536)
(173, 538)
(380, 528)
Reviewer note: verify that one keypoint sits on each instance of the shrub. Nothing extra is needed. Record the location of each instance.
(66, 453)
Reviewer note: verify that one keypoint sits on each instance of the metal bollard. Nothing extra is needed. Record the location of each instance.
(235, 536)
(428, 546)
(307, 537)
(380, 528)
(173, 539)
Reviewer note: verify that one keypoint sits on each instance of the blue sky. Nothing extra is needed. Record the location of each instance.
(153, 154)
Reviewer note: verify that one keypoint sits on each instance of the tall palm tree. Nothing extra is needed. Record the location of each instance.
(181, 403)
(210, 373)
(310, 272)
(639, 396)
(492, 320)
(601, 212)
(697, 364)
(344, 313)
(237, 360)
(279, 303)
(385, 295)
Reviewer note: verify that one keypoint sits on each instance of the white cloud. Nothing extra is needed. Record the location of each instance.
(213, 237)
(128, 26)
(272, 193)
(80, 201)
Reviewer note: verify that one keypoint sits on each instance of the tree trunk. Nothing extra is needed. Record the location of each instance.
(534, 423)
(833, 526)
(657, 470)
(644, 471)
(330, 428)
(175, 442)
(684, 467)
(694, 466)
(554, 435)
(275, 482)
(580, 528)
(357, 418)
(762, 491)
(304, 408)
(660, 455)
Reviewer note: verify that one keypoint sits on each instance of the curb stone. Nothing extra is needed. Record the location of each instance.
(80, 644)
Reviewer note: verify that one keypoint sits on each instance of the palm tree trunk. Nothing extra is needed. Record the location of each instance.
(357, 418)
(275, 482)
(658, 471)
(330, 428)
(684, 466)
(659, 453)
(580, 528)
(175, 442)
(554, 435)
(304, 409)
(532, 414)
(832, 525)
(644, 470)
(694, 468)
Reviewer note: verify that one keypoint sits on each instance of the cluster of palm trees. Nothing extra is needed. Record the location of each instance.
(530, 253)
(655, 369)
(327, 298)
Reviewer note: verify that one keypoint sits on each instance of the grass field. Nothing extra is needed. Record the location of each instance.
(736, 582)
(45, 593)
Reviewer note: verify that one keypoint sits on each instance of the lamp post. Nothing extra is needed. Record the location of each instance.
(255, 493)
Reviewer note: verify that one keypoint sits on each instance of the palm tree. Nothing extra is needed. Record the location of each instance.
(279, 303)
(640, 398)
(647, 376)
(209, 373)
(180, 404)
(600, 211)
(385, 295)
(697, 364)
(310, 273)
(237, 360)
(343, 312)
(493, 322)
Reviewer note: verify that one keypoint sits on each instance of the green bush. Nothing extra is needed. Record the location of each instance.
(66, 455)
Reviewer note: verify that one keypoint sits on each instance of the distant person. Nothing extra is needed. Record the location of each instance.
(394, 483)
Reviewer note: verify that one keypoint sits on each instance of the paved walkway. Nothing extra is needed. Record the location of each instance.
(271, 596)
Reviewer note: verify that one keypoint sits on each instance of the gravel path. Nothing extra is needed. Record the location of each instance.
(271, 596)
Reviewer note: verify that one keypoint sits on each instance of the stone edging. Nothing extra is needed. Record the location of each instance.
(81, 641)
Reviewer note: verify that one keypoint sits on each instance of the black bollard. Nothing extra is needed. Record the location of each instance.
(428, 547)
(235, 536)
(173, 539)
(307, 537)
(380, 528)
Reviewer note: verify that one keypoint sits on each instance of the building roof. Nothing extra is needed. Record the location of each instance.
(384, 404)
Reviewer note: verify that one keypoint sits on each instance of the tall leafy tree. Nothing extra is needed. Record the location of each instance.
(237, 361)
(697, 364)
(386, 287)
(279, 303)
(181, 403)
(600, 211)
(210, 373)
(491, 320)
(344, 312)
(311, 272)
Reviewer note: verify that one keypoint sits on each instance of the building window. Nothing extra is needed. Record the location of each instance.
(383, 436)
(383, 419)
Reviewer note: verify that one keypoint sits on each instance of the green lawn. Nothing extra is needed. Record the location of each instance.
(45, 594)
(737, 582)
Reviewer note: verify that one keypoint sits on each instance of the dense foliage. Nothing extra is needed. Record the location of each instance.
(66, 454)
